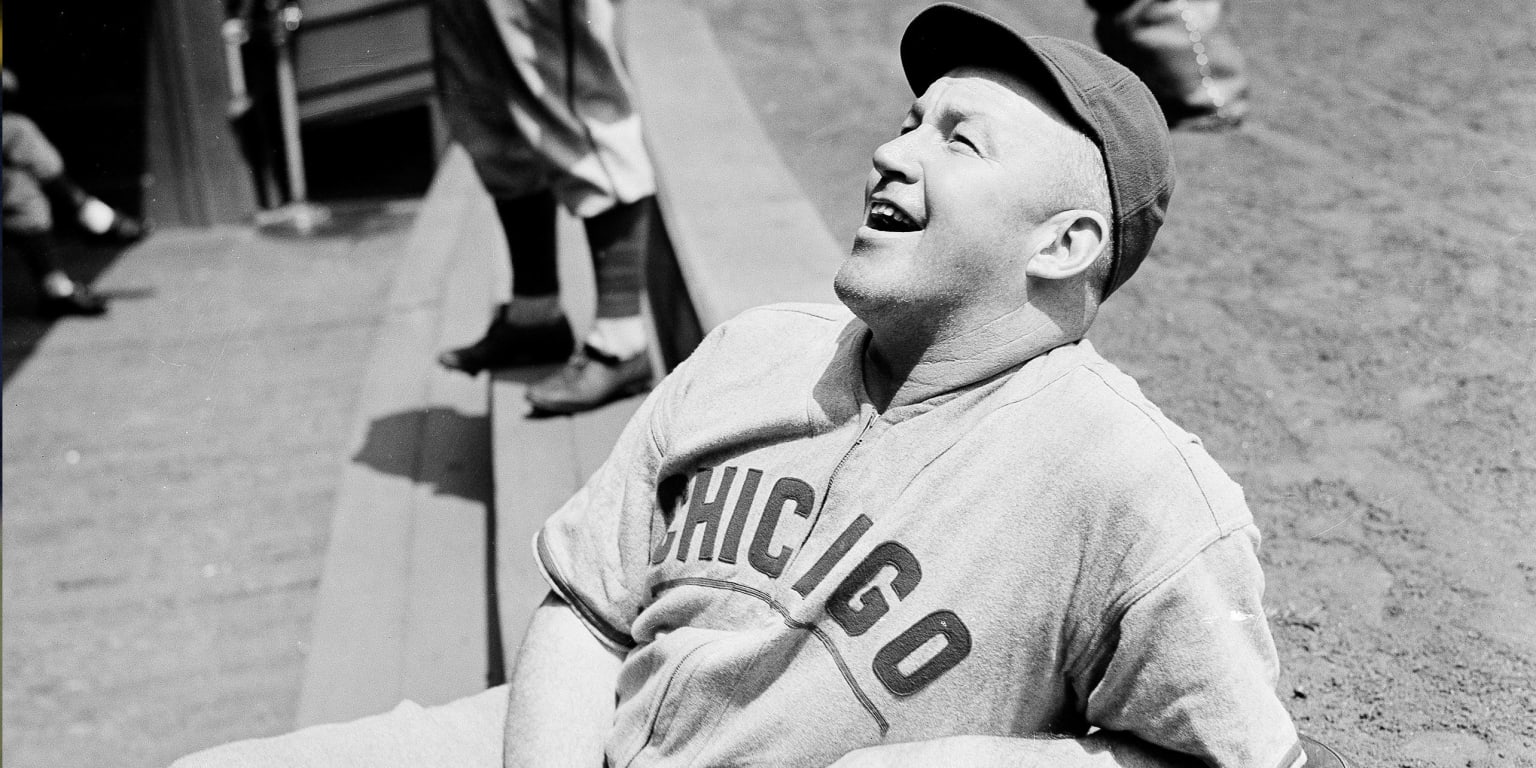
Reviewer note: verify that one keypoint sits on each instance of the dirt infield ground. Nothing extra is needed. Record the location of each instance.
(1341, 305)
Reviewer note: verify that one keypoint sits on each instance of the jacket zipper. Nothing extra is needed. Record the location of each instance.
(826, 493)
(661, 701)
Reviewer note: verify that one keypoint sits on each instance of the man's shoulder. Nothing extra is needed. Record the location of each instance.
(1094, 392)
(776, 331)
(1125, 440)
(803, 317)
(765, 362)
(1085, 388)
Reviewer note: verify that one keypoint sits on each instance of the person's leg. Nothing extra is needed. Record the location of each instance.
(259, 129)
(613, 362)
(530, 223)
(1183, 51)
(92, 215)
(600, 171)
(577, 99)
(28, 223)
(29, 151)
(475, 81)
(532, 328)
(466, 733)
(60, 295)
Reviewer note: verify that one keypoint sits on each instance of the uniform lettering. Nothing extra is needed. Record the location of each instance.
(705, 511)
(660, 552)
(856, 619)
(939, 624)
(670, 494)
(845, 542)
(888, 574)
(785, 491)
(732, 543)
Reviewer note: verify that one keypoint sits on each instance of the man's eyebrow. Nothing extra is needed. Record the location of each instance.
(952, 113)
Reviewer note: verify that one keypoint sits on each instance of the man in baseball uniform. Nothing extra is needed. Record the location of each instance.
(932, 528)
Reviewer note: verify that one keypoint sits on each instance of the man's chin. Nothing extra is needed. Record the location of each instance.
(847, 287)
(857, 291)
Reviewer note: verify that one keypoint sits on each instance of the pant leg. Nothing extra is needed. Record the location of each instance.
(33, 165)
(466, 733)
(476, 82)
(578, 112)
(27, 149)
(26, 206)
(536, 91)
(38, 250)
(620, 238)
(1182, 50)
(529, 224)
(29, 159)
(260, 129)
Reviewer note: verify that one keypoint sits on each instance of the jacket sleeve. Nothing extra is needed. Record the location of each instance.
(1189, 664)
(595, 550)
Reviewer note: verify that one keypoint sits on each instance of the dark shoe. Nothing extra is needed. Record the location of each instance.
(81, 301)
(507, 346)
(590, 379)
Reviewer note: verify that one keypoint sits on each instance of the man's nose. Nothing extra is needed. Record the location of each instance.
(894, 160)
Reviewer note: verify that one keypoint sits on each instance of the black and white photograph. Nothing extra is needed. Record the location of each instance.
(801, 384)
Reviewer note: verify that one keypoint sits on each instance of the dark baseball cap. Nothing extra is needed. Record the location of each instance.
(1094, 93)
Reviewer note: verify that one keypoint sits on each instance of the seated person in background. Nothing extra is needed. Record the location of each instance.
(33, 178)
(940, 530)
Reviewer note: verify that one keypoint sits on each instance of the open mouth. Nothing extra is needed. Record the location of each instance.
(885, 217)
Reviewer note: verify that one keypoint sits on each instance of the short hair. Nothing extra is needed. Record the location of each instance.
(1086, 185)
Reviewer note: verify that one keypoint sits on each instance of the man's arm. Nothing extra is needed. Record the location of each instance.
(1190, 665)
(1101, 750)
(561, 699)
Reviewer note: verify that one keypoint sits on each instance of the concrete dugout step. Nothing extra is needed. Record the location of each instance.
(742, 234)
(402, 606)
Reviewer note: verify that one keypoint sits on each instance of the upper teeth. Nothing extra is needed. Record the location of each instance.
(879, 208)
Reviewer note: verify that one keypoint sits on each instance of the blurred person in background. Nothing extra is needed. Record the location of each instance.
(35, 183)
(1182, 50)
(251, 31)
(535, 91)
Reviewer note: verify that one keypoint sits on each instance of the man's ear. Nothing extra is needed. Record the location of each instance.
(1076, 238)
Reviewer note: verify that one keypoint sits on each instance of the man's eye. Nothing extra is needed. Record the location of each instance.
(965, 143)
(906, 129)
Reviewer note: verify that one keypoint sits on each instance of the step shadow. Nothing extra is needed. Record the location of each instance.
(449, 452)
(437, 447)
(24, 327)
